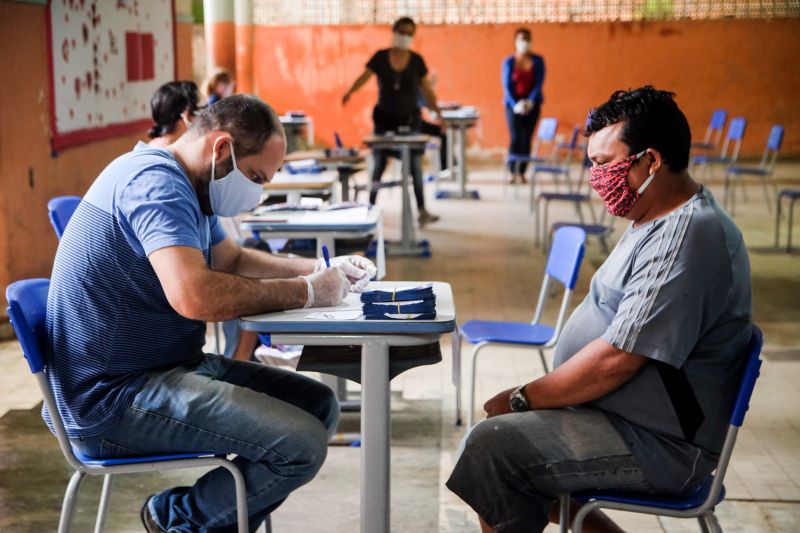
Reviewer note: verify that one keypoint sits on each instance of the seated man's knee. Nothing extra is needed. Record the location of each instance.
(307, 449)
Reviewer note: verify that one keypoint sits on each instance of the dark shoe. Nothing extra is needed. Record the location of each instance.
(148, 521)
(427, 218)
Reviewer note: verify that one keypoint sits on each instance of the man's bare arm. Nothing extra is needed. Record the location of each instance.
(197, 292)
(231, 258)
(593, 372)
(597, 369)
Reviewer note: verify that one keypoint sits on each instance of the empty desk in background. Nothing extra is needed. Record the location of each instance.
(375, 337)
(345, 165)
(404, 144)
(323, 226)
(293, 186)
(457, 122)
(293, 124)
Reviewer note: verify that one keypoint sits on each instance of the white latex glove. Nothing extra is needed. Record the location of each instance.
(359, 270)
(519, 107)
(326, 288)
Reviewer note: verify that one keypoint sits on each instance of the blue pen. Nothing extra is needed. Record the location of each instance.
(326, 256)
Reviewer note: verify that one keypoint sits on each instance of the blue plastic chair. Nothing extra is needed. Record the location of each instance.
(545, 133)
(27, 301)
(733, 141)
(764, 170)
(698, 504)
(60, 210)
(557, 168)
(713, 132)
(563, 265)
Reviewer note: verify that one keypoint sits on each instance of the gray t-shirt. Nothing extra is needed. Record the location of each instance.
(675, 290)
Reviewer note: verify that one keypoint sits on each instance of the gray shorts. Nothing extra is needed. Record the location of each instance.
(515, 466)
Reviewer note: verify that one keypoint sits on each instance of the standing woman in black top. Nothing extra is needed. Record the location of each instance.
(402, 75)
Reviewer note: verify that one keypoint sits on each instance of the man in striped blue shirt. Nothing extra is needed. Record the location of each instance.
(141, 268)
(647, 366)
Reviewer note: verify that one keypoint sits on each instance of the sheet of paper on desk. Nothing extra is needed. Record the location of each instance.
(353, 215)
(335, 315)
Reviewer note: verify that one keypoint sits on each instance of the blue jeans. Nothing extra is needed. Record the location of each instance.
(275, 421)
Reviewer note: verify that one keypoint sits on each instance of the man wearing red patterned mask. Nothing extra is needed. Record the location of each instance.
(647, 366)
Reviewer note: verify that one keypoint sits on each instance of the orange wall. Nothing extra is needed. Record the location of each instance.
(747, 66)
(29, 175)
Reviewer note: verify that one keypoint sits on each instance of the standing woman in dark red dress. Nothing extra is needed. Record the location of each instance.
(522, 76)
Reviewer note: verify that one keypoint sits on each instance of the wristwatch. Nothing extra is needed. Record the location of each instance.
(518, 400)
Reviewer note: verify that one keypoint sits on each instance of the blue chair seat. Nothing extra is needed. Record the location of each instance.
(476, 331)
(566, 196)
(752, 171)
(677, 503)
(710, 159)
(590, 229)
(551, 169)
(95, 461)
(703, 146)
(524, 158)
(790, 193)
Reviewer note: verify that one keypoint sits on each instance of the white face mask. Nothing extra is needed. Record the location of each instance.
(522, 46)
(400, 41)
(234, 193)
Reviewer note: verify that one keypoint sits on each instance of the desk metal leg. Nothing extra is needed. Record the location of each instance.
(460, 132)
(408, 245)
(376, 435)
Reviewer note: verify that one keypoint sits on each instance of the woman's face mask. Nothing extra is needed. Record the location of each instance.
(611, 183)
(522, 46)
(401, 41)
(234, 193)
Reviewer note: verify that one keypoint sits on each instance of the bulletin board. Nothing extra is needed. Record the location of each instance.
(107, 58)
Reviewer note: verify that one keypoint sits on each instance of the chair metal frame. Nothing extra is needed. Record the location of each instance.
(735, 134)
(793, 195)
(676, 507)
(569, 287)
(577, 198)
(764, 170)
(61, 207)
(29, 323)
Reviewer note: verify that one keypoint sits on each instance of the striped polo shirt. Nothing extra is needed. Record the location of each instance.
(677, 291)
(108, 319)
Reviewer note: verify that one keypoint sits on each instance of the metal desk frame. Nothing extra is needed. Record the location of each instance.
(375, 337)
(404, 143)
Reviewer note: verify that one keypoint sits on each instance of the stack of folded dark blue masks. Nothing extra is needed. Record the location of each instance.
(415, 303)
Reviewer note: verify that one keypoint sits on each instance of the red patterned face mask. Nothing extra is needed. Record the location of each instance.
(611, 183)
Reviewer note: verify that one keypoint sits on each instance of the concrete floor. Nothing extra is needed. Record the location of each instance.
(485, 250)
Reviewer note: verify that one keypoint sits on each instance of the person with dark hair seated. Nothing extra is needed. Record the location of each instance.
(142, 268)
(402, 75)
(647, 366)
(174, 106)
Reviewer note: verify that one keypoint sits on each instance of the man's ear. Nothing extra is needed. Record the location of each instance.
(656, 161)
(221, 145)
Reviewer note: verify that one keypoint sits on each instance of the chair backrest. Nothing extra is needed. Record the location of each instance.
(566, 254)
(774, 141)
(60, 210)
(27, 310)
(715, 127)
(718, 118)
(27, 307)
(749, 376)
(735, 134)
(547, 129)
(563, 265)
